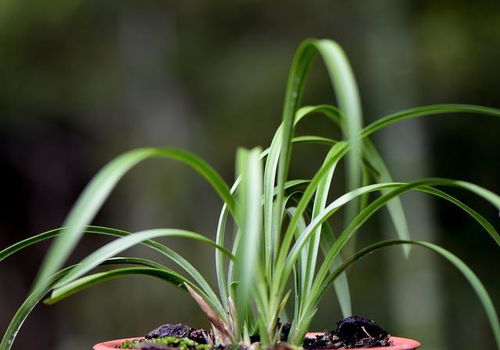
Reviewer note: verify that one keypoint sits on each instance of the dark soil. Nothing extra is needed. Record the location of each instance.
(178, 330)
(351, 332)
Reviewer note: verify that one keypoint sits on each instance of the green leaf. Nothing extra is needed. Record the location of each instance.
(319, 204)
(98, 190)
(207, 291)
(374, 206)
(121, 244)
(348, 98)
(77, 285)
(341, 283)
(301, 267)
(268, 198)
(471, 277)
(38, 294)
(250, 218)
(334, 156)
(427, 111)
(375, 163)
(24, 310)
(395, 207)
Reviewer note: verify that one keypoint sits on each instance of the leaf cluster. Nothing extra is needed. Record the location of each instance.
(274, 243)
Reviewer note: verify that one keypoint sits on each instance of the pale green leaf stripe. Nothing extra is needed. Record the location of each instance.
(471, 277)
(38, 294)
(121, 244)
(249, 214)
(98, 190)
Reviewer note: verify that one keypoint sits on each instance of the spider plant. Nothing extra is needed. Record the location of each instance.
(281, 248)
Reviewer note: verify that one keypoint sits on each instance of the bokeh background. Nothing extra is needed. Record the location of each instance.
(82, 81)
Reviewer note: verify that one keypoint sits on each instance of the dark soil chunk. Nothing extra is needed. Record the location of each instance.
(285, 330)
(359, 332)
(199, 335)
(169, 330)
(351, 332)
(178, 330)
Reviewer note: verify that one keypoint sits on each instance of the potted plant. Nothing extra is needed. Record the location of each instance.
(280, 226)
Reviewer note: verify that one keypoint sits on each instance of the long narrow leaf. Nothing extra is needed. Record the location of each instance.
(268, 198)
(427, 111)
(395, 207)
(250, 218)
(38, 294)
(98, 190)
(366, 213)
(320, 200)
(336, 153)
(80, 284)
(380, 202)
(206, 290)
(471, 277)
(346, 91)
(115, 247)
(375, 162)
(341, 284)
(348, 99)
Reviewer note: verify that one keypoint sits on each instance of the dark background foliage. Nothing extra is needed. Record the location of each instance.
(82, 81)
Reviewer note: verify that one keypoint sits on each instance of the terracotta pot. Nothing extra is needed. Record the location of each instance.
(398, 344)
(112, 344)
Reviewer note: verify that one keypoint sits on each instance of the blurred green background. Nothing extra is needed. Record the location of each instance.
(82, 81)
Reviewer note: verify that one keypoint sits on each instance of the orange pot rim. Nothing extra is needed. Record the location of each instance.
(399, 343)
